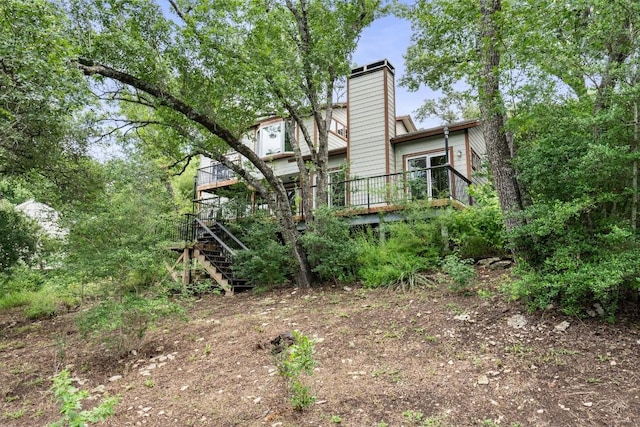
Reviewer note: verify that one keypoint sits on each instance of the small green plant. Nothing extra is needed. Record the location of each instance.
(336, 419)
(149, 383)
(461, 271)
(292, 363)
(413, 416)
(208, 349)
(70, 399)
(518, 349)
(15, 415)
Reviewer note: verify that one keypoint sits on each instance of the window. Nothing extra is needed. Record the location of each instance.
(339, 129)
(427, 176)
(476, 161)
(273, 138)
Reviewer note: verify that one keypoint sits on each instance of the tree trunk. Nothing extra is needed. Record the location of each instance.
(634, 151)
(491, 110)
(276, 196)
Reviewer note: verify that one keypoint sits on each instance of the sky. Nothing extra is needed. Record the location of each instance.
(388, 38)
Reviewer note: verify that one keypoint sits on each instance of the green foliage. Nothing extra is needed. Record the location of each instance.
(118, 238)
(122, 324)
(400, 251)
(461, 271)
(329, 247)
(18, 237)
(268, 261)
(293, 363)
(478, 230)
(70, 400)
(581, 248)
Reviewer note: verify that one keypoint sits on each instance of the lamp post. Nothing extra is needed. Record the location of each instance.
(446, 145)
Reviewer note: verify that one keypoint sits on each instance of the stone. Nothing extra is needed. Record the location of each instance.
(599, 309)
(501, 265)
(517, 321)
(562, 326)
(483, 380)
(115, 378)
(462, 317)
(487, 261)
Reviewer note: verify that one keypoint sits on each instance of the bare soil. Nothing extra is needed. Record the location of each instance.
(383, 359)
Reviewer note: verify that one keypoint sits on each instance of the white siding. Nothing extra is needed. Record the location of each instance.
(434, 144)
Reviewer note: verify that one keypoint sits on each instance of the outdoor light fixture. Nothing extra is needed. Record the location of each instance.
(446, 145)
(459, 153)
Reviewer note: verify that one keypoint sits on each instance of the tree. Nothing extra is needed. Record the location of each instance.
(456, 40)
(41, 138)
(211, 73)
(18, 237)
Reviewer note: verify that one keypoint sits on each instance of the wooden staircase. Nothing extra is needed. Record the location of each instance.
(212, 246)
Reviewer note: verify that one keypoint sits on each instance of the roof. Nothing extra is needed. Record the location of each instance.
(425, 133)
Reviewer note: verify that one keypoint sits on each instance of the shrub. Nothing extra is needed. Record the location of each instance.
(329, 248)
(268, 261)
(461, 271)
(293, 363)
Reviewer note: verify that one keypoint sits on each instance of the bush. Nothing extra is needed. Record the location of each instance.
(267, 262)
(478, 230)
(392, 263)
(461, 271)
(329, 247)
(294, 362)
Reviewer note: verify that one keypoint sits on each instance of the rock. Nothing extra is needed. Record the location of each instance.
(501, 265)
(483, 380)
(99, 389)
(591, 313)
(588, 404)
(486, 262)
(279, 343)
(599, 309)
(517, 321)
(562, 326)
(115, 378)
(463, 318)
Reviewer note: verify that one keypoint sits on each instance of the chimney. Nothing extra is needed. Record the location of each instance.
(371, 109)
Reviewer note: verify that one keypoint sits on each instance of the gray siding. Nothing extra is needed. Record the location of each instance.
(367, 119)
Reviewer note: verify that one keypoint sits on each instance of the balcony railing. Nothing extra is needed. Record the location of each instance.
(368, 194)
(214, 174)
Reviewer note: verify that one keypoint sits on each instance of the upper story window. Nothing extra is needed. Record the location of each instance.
(273, 138)
(339, 129)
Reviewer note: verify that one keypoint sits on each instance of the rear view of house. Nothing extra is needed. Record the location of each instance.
(377, 161)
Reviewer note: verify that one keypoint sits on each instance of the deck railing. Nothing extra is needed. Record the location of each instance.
(368, 194)
(214, 174)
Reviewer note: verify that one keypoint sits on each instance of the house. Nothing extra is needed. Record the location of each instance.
(376, 160)
(47, 217)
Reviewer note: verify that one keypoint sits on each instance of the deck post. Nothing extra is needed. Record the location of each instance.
(186, 267)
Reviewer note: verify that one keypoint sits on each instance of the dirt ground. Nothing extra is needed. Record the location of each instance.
(429, 357)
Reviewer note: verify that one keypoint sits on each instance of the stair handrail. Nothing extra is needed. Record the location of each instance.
(233, 237)
(219, 240)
